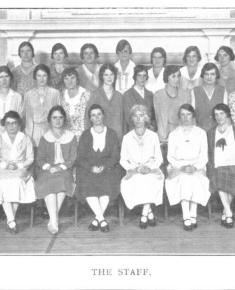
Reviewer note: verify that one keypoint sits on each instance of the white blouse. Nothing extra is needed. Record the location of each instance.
(98, 139)
(124, 78)
(154, 84)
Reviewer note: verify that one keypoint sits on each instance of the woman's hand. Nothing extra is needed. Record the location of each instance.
(190, 169)
(143, 169)
(97, 169)
(55, 169)
(12, 166)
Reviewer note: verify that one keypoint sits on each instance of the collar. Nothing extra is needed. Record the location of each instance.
(185, 74)
(129, 68)
(66, 138)
(76, 98)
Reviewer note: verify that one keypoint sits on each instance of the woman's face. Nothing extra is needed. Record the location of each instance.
(59, 56)
(223, 57)
(125, 54)
(12, 126)
(139, 119)
(141, 78)
(89, 56)
(192, 58)
(221, 117)
(26, 54)
(158, 60)
(70, 82)
(186, 117)
(5, 80)
(108, 77)
(96, 117)
(209, 77)
(41, 78)
(174, 79)
(57, 120)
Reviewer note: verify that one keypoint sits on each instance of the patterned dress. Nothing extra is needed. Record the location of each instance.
(56, 81)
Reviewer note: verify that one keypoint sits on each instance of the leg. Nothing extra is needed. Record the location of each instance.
(144, 218)
(193, 213)
(60, 200)
(51, 204)
(95, 206)
(15, 206)
(9, 211)
(226, 203)
(104, 201)
(186, 215)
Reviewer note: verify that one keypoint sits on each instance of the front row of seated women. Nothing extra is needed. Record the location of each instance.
(98, 172)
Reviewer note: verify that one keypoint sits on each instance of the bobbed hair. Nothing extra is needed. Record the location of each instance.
(26, 43)
(228, 50)
(58, 46)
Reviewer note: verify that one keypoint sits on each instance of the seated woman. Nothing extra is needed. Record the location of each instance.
(16, 156)
(141, 158)
(187, 155)
(56, 155)
(221, 166)
(98, 170)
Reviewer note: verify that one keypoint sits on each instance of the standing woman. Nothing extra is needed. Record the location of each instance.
(155, 81)
(225, 58)
(74, 101)
(9, 99)
(98, 170)
(221, 167)
(58, 55)
(191, 71)
(138, 94)
(23, 73)
(187, 155)
(141, 158)
(56, 155)
(207, 95)
(16, 156)
(88, 72)
(109, 99)
(125, 66)
(38, 102)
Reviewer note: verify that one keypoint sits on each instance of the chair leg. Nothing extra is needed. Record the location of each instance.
(121, 211)
(165, 202)
(209, 207)
(76, 213)
(31, 215)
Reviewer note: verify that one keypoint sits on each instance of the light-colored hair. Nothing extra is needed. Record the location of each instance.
(140, 108)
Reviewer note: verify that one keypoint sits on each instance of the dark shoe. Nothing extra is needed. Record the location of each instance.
(12, 230)
(143, 225)
(152, 222)
(92, 227)
(187, 227)
(105, 227)
(229, 222)
(194, 222)
(223, 220)
(44, 214)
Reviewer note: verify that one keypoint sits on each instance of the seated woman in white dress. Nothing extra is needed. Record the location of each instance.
(141, 158)
(187, 155)
(16, 156)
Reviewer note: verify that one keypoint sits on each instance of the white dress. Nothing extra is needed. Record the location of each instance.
(16, 185)
(187, 149)
(141, 188)
(124, 79)
(188, 83)
(155, 84)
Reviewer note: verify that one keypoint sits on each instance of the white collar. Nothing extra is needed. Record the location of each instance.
(185, 74)
(66, 138)
(76, 98)
(89, 73)
(129, 68)
(18, 138)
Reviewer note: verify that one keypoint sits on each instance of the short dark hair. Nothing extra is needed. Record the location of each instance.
(89, 45)
(26, 43)
(58, 46)
(159, 50)
(42, 67)
(190, 49)
(221, 107)
(68, 72)
(209, 66)
(139, 68)
(59, 109)
(5, 68)
(13, 115)
(110, 67)
(169, 70)
(95, 107)
(228, 50)
(188, 108)
(122, 44)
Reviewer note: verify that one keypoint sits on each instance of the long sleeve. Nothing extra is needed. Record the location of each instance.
(110, 161)
(156, 160)
(202, 159)
(125, 160)
(83, 159)
(172, 145)
(72, 154)
(29, 153)
(42, 154)
(28, 112)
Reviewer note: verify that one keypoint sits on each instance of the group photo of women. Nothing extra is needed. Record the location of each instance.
(147, 134)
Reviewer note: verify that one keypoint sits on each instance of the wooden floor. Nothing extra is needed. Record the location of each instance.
(167, 238)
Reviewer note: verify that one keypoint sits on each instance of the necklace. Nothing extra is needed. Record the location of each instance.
(172, 96)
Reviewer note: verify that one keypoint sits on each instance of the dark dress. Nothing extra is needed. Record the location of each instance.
(108, 181)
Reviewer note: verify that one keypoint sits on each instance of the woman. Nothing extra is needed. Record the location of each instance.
(9, 99)
(138, 95)
(158, 60)
(74, 101)
(225, 57)
(207, 95)
(38, 102)
(88, 72)
(221, 167)
(109, 99)
(23, 73)
(98, 171)
(56, 155)
(125, 66)
(16, 156)
(58, 55)
(191, 72)
(141, 158)
(187, 155)
(167, 102)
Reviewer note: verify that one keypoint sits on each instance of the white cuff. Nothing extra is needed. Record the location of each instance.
(3, 164)
(20, 165)
(46, 166)
(62, 166)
